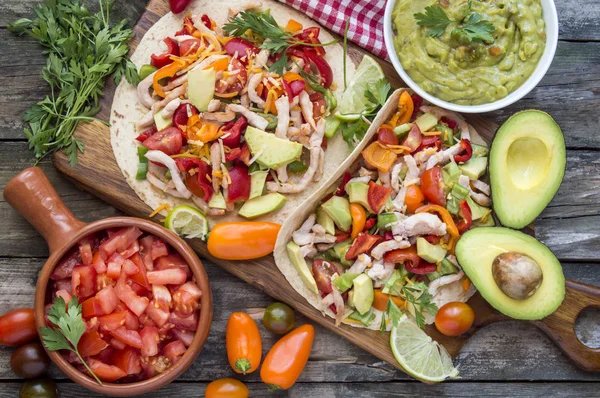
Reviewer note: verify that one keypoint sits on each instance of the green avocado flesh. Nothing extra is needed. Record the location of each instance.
(274, 151)
(527, 165)
(476, 251)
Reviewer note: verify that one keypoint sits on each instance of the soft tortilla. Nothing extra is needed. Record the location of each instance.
(127, 110)
(301, 214)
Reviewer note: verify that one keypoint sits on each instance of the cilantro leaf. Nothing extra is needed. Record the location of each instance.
(393, 312)
(435, 19)
(475, 28)
(377, 94)
(471, 28)
(354, 132)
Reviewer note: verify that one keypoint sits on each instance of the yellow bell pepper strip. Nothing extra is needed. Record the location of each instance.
(293, 26)
(379, 157)
(359, 217)
(445, 215)
(165, 72)
(406, 108)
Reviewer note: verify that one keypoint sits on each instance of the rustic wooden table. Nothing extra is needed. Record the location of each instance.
(507, 359)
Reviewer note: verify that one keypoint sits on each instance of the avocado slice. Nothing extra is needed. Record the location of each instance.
(340, 250)
(257, 183)
(325, 221)
(201, 87)
(426, 122)
(384, 221)
(358, 192)
(338, 208)
(161, 122)
(363, 293)
(262, 205)
(217, 201)
(476, 251)
(477, 211)
(527, 165)
(474, 168)
(293, 252)
(274, 151)
(396, 281)
(450, 174)
(430, 253)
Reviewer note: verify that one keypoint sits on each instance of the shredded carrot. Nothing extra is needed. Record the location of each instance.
(164, 206)
(466, 284)
(270, 102)
(213, 39)
(291, 76)
(431, 133)
(293, 26)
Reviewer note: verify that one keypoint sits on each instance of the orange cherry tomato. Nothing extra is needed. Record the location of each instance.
(414, 198)
(286, 360)
(226, 388)
(17, 327)
(381, 299)
(244, 346)
(380, 158)
(242, 240)
(454, 319)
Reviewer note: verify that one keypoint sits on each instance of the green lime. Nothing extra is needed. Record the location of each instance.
(418, 354)
(353, 100)
(188, 222)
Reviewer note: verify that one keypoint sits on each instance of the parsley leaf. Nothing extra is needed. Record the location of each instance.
(435, 19)
(354, 132)
(417, 299)
(70, 328)
(377, 94)
(471, 28)
(475, 29)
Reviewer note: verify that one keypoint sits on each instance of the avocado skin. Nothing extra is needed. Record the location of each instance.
(476, 250)
(516, 207)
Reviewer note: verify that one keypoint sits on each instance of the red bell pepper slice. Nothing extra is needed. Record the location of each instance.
(422, 269)
(362, 244)
(369, 224)
(341, 236)
(377, 196)
(197, 183)
(233, 132)
(239, 189)
(341, 191)
(146, 134)
(466, 151)
(322, 66)
(162, 60)
(406, 256)
(466, 217)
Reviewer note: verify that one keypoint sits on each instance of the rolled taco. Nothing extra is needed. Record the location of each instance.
(379, 238)
(224, 120)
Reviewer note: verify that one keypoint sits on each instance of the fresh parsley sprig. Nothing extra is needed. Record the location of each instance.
(275, 39)
(414, 294)
(82, 50)
(70, 328)
(471, 28)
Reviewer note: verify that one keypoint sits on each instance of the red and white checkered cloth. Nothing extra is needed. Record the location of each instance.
(366, 19)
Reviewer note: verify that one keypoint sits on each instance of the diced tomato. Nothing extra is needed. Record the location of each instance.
(119, 345)
(108, 373)
(107, 299)
(234, 133)
(65, 266)
(91, 344)
(131, 321)
(129, 337)
(158, 312)
(103, 280)
(341, 236)
(377, 196)
(131, 250)
(198, 183)
(64, 284)
(126, 294)
(161, 60)
(181, 115)
(433, 239)
(173, 261)
(414, 138)
(449, 122)
(146, 252)
(239, 188)
(150, 340)
(112, 321)
(130, 268)
(432, 186)
(187, 323)
(174, 350)
(146, 134)
(186, 298)
(323, 270)
(158, 249)
(189, 47)
(91, 308)
(137, 289)
(128, 360)
(386, 136)
(185, 336)
(85, 250)
(115, 262)
(406, 256)
(172, 276)
(140, 277)
(362, 244)
(466, 217)
(169, 141)
(243, 48)
(156, 366)
(235, 81)
(65, 295)
(98, 263)
(84, 281)
(119, 241)
(319, 108)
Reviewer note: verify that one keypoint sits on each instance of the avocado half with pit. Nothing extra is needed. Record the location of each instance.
(527, 165)
(514, 272)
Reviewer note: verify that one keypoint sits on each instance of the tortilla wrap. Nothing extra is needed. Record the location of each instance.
(127, 109)
(301, 214)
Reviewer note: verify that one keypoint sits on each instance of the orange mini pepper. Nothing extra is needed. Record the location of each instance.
(293, 26)
(219, 65)
(291, 76)
(165, 72)
(406, 108)
(226, 388)
(379, 157)
(381, 299)
(444, 214)
(242, 240)
(359, 217)
(244, 346)
(286, 360)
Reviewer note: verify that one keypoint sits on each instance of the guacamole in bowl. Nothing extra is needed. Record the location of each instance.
(470, 52)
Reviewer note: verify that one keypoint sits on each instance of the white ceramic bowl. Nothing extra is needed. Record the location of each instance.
(551, 19)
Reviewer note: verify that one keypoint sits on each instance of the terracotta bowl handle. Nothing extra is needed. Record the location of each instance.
(32, 195)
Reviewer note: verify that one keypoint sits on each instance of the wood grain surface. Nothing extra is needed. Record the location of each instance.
(508, 351)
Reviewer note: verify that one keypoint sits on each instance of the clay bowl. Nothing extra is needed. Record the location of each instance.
(32, 195)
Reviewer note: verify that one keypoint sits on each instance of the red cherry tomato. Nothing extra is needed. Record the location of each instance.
(386, 136)
(243, 48)
(162, 60)
(454, 319)
(17, 327)
(168, 141)
(178, 6)
(323, 271)
(234, 82)
(432, 186)
(414, 139)
(189, 47)
(234, 133)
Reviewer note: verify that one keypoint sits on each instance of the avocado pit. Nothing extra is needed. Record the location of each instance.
(517, 275)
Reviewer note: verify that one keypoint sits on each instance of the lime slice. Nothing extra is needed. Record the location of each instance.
(187, 222)
(353, 100)
(420, 355)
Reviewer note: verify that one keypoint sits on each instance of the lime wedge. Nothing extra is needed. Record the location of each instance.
(418, 354)
(353, 100)
(187, 222)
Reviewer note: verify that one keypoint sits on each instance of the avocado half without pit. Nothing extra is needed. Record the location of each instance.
(527, 165)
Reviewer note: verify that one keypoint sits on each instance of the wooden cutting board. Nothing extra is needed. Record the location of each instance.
(98, 172)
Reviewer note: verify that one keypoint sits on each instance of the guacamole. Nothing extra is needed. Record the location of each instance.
(477, 72)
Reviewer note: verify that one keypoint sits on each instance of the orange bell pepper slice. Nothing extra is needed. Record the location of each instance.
(381, 299)
(291, 76)
(165, 72)
(293, 26)
(219, 65)
(242, 240)
(243, 343)
(406, 108)
(445, 215)
(359, 218)
(379, 157)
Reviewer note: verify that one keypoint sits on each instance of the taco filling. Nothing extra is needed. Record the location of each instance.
(237, 113)
(383, 241)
